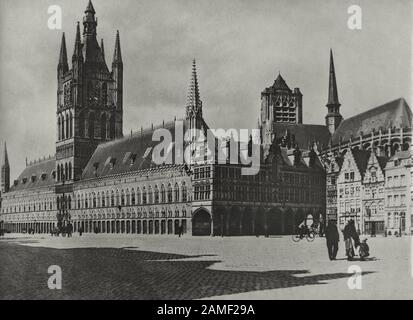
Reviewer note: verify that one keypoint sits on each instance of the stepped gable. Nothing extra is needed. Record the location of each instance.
(41, 171)
(396, 113)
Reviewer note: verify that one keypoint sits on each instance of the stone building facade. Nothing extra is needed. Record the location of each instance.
(102, 181)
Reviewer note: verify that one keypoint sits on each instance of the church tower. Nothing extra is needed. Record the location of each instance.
(89, 100)
(333, 117)
(279, 104)
(5, 172)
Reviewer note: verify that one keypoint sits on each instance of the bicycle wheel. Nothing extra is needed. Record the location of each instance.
(310, 236)
(296, 238)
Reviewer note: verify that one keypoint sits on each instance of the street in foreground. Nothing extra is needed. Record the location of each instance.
(150, 267)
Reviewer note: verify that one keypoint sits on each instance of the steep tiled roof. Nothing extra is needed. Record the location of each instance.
(41, 173)
(305, 134)
(396, 113)
(382, 161)
(128, 154)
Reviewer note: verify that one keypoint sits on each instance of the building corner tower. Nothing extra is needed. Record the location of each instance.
(333, 117)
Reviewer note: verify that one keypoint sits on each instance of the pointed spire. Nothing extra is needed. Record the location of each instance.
(90, 8)
(117, 55)
(77, 52)
(332, 85)
(63, 55)
(102, 48)
(5, 158)
(194, 103)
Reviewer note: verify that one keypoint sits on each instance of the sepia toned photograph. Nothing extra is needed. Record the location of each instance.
(211, 150)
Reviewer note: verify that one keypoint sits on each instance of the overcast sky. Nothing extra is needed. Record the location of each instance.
(240, 47)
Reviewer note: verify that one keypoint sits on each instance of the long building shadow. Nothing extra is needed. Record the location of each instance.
(108, 273)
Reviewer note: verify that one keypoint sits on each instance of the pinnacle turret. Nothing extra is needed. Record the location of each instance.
(5, 171)
(77, 52)
(63, 65)
(194, 103)
(117, 55)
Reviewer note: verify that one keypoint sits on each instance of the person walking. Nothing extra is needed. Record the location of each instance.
(350, 234)
(332, 239)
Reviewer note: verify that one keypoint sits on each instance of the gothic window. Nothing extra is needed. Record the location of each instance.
(70, 171)
(176, 192)
(112, 199)
(62, 134)
(66, 172)
(103, 200)
(94, 200)
(133, 197)
(127, 197)
(122, 199)
(103, 126)
(138, 196)
(59, 124)
(156, 194)
(91, 126)
(150, 195)
(67, 127)
(162, 194)
(169, 193)
(70, 125)
(144, 195)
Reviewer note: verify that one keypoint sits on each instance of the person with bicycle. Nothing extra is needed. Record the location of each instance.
(303, 229)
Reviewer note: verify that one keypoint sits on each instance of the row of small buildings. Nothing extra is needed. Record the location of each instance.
(374, 190)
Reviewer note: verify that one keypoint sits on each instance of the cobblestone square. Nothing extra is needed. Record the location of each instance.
(133, 267)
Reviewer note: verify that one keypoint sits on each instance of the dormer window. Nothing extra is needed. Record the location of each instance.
(43, 176)
(54, 174)
(112, 162)
(33, 178)
(16, 182)
(133, 158)
(24, 180)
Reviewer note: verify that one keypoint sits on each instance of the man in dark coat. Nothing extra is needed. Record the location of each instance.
(332, 238)
(350, 234)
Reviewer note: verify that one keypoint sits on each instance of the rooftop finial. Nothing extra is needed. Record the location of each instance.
(117, 55)
(63, 55)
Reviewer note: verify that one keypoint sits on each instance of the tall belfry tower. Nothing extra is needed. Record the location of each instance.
(89, 100)
(333, 117)
(279, 104)
(5, 172)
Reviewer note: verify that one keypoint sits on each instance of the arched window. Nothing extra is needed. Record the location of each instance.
(127, 197)
(122, 198)
(144, 195)
(150, 195)
(103, 200)
(112, 127)
(103, 126)
(184, 192)
(67, 127)
(82, 125)
(133, 197)
(169, 193)
(163, 194)
(70, 171)
(62, 134)
(176, 192)
(138, 196)
(94, 200)
(91, 126)
(117, 198)
(66, 171)
(112, 199)
(59, 125)
(70, 125)
(156, 194)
